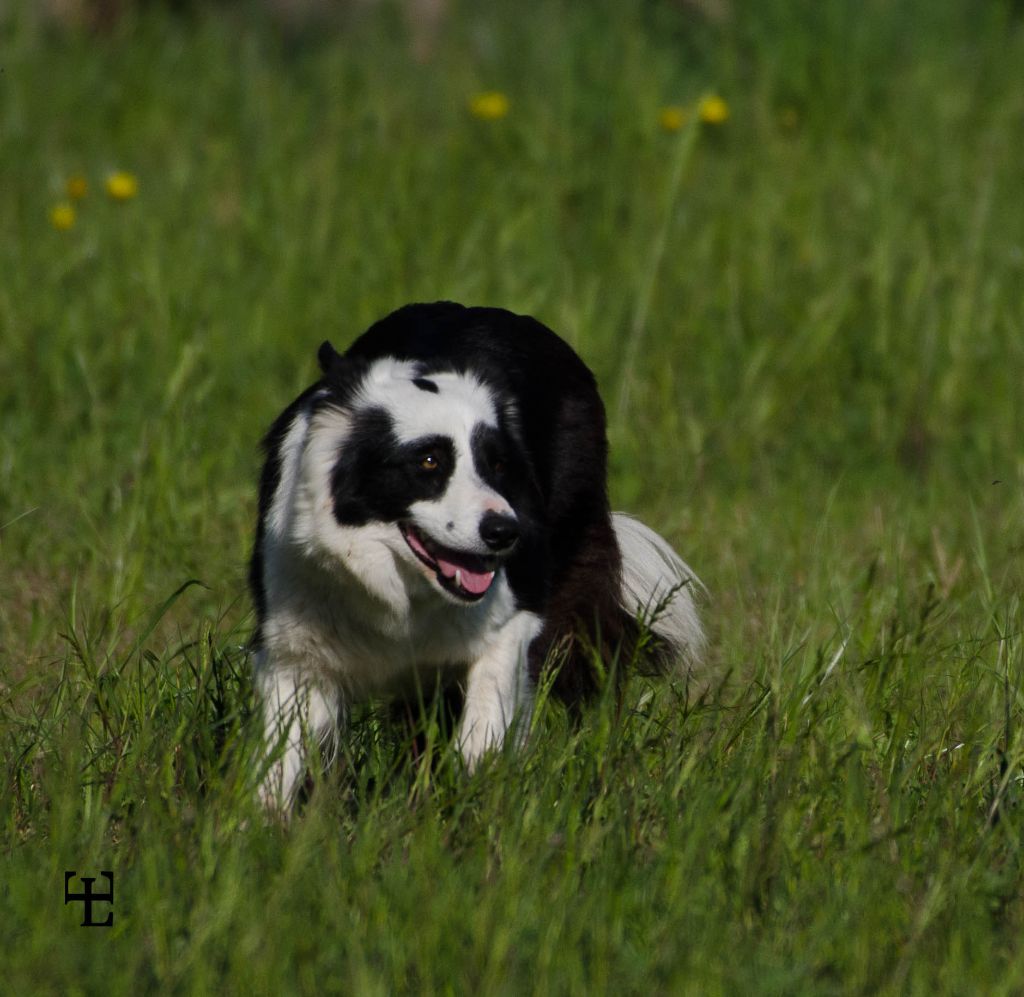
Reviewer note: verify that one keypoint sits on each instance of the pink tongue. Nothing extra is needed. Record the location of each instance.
(414, 542)
(474, 582)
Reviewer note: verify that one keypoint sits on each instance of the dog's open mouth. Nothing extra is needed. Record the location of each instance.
(468, 576)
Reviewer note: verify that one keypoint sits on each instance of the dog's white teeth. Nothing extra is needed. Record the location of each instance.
(458, 577)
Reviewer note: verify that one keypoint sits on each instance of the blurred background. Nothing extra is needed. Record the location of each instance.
(787, 238)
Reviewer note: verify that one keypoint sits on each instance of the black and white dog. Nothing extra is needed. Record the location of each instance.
(437, 502)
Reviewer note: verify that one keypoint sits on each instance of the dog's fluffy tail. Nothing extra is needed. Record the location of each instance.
(659, 589)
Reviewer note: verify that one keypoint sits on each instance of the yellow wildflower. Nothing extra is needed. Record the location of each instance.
(77, 187)
(673, 118)
(62, 216)
(122, 186)
(712, 110)
(492, 105)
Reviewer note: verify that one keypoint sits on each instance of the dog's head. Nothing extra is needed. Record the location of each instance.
(424, 465)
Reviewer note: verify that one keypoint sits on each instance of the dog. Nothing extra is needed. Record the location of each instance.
(436, 505)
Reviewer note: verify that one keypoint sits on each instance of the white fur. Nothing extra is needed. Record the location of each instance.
(291, 455)
(498, 688)
(295, 711)
(459, 405)
(658, 586)
(353, 613)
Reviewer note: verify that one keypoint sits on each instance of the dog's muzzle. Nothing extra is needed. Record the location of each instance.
(463, 574)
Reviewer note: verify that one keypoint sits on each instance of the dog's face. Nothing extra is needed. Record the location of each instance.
(428, 468)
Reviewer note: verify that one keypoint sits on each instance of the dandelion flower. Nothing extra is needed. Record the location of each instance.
(712, 110)
(492, 105)
(122, 186)
(77, 187)
(673, 118)
(62, 216)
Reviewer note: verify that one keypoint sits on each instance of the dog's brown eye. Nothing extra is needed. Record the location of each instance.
(428, 462)
(498, 467)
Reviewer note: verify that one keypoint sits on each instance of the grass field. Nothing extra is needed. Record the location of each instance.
(807, 321)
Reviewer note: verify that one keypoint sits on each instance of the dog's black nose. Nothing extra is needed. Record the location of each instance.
(498, 531)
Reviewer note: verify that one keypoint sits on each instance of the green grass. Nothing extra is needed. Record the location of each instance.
(808, 325)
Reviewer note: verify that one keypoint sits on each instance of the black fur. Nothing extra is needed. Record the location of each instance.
(378, 478)
(548, 457)
(567, 567)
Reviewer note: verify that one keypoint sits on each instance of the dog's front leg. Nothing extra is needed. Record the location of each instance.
(498, 689)
(295, 712)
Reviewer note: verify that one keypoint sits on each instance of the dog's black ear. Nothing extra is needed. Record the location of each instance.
(327, 356)
(341, 374)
